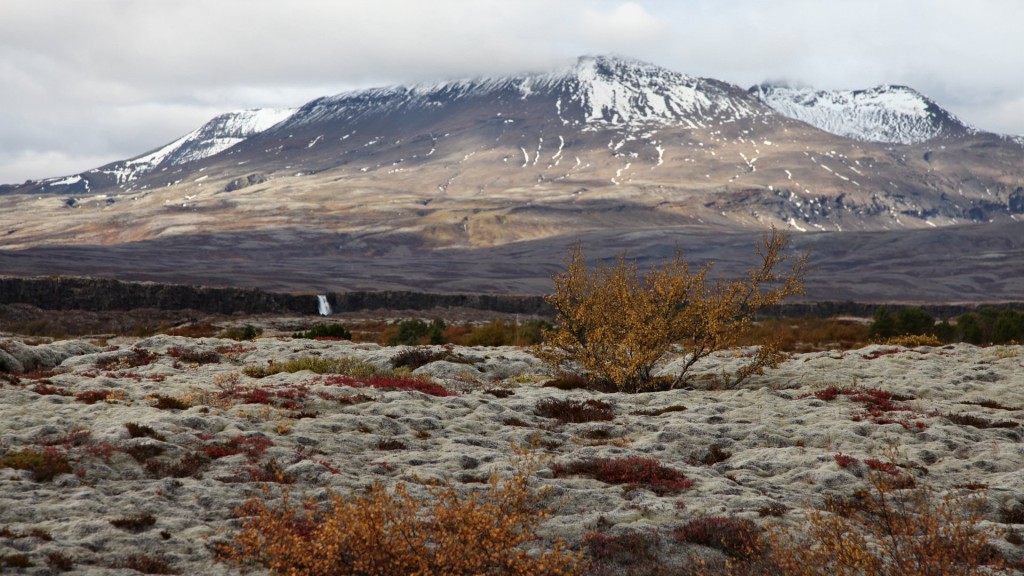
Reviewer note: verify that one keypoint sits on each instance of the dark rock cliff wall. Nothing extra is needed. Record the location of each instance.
(101, 294)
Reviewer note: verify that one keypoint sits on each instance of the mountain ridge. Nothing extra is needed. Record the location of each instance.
(608, 91)
(376, 185)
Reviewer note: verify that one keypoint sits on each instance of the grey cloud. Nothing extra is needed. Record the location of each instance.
(90, 82)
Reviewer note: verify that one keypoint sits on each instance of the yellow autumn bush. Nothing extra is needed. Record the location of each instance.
(393, 532)
(617, 324)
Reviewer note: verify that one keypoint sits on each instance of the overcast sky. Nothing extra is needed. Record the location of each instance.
(86, 82)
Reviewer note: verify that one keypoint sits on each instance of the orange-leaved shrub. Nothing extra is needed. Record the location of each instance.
(888, 530)
(394, 532)
(617, 324)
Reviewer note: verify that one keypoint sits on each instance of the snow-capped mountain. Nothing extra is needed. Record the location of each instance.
(462, 185)
(602, 128)
(884, 114)
(596, 91)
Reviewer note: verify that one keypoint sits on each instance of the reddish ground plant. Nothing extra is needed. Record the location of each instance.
(44, 465)
(144, 452)
(844, 460)
(93, 396)
(500, 392)
(884, 467)
(737, 537)
(252, 446)
(46, 389)
(15, 561)
(288, 396)
(268, 472)
(100, 449)
(513, 421)
(569, 410)
(200, 330)
(993, 405)
(33, 533)
(136, 430)
(417, 356)
(346, 399)
(633, 472)
(385, 383)
(775, 509)
(137, 523)
(612, 552)
(714, 455)
(566, 381)
(1012, 514)
(146, 564)
(829, 394)
(390, 444)
(879, 406)
(660, 411)
(191, 464)
(40, 374)
(135, 358)
(194, 356)
(883, 352)
(59, 561)
(162, 402)
(977, 422)
(234, 350)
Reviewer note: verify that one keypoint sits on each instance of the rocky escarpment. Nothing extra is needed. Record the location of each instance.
(105, 294)
(100, 294)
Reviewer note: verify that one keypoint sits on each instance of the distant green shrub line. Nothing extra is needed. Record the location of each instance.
(239, 333)
(325, 331)
(412, 332)
(988, 325)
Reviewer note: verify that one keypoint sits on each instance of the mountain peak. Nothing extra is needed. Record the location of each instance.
(217, 135)
(890, 114)
(594, 92)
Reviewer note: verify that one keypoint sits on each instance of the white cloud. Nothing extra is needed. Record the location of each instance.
(626, 25)
(39, 164)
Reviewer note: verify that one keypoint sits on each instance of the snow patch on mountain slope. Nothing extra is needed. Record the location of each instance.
(616, 91)
(888, 114)
(215, 136)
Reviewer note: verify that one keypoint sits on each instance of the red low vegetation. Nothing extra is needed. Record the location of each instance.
(635, 472)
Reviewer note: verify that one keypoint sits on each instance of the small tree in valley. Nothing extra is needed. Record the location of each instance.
(617, 324)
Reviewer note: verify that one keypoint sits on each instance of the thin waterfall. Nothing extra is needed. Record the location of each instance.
(323, 305)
